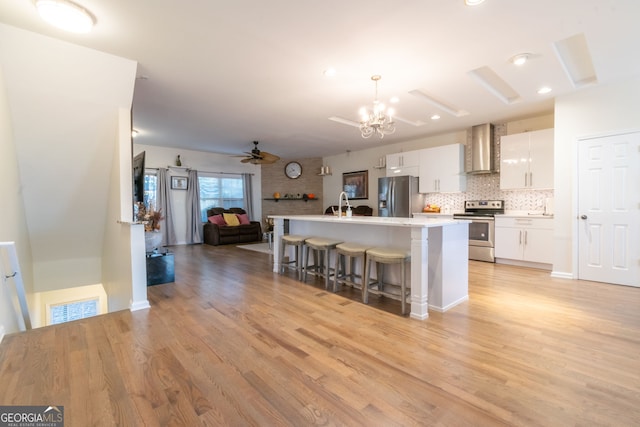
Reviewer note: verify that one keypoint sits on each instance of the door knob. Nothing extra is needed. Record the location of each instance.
(583, 217)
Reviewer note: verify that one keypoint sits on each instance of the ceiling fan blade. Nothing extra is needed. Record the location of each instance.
(255, 154)
(268, 157)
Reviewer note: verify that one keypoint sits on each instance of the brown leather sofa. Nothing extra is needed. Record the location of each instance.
(215, 234)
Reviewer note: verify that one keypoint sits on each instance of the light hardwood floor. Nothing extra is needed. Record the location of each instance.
(231, 343)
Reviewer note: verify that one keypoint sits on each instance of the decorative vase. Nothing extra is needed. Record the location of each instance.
(152, 239)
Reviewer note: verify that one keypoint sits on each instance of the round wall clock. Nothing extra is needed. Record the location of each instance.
(293, 170)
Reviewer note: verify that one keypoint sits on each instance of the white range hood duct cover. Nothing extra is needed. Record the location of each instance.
(482, 150)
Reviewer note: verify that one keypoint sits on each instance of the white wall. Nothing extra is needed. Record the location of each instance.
(13, 227)
(63, 102)
(589, 112)
(161, 157)
(123, 261)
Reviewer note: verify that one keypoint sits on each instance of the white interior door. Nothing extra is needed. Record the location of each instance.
(609, 209)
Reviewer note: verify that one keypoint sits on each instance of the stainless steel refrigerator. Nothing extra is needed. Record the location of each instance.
(398, 196)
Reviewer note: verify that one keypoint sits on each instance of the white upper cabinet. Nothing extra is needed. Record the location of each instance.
(442, 169)
(527, 160)
(407, 163)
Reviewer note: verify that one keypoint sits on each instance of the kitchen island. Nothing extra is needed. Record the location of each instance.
(439, 272)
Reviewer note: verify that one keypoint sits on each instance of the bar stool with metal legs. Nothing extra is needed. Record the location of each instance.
(384, 256)
(321, 248)
(298, 242)
(351, 252)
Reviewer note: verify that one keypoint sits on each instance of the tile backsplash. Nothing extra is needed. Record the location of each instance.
(487, 187)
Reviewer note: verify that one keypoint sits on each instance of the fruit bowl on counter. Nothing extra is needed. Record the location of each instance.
(431, 209)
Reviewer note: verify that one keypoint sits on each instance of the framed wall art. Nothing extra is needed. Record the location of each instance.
(179, 182)
(356, 184)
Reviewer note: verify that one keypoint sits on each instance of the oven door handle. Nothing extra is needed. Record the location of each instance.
(476, 218)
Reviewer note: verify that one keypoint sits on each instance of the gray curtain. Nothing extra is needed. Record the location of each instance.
(248, 191)
(194, 219)
(165, 203)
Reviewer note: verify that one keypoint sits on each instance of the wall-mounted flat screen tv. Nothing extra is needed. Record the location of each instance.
(138, 178)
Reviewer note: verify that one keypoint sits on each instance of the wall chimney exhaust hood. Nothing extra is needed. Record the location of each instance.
(482, 150)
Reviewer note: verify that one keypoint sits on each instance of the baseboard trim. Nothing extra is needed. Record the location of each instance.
(139, 305)
(526, 264)
(562, 275)
(449, 306)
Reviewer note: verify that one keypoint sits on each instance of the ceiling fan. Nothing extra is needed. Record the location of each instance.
(258, 157)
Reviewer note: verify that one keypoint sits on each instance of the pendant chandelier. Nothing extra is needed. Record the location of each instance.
(379, 121)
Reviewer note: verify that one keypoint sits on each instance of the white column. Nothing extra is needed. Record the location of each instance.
(420, 273)
(278, 232)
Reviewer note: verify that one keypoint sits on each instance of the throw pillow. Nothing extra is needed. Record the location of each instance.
(243, 218)
(217, 220)
(231, 219)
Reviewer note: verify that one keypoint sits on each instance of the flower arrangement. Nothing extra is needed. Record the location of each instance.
(149, 216)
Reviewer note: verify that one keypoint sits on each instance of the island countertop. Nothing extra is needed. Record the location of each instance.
(376, 220)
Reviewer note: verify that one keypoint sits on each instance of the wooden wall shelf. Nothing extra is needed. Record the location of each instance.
(292, 200)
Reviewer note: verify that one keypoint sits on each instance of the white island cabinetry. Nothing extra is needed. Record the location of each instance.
(438, 274)
(523, 240)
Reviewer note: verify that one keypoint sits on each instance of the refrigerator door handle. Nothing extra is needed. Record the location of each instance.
(392, 208)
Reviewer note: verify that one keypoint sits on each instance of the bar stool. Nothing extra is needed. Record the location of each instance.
(352, 251)
(384, 256)
(298, 242)
(321, 248)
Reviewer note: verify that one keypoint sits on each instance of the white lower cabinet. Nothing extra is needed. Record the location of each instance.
(524, 239)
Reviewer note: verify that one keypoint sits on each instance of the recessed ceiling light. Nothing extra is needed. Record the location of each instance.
(519, 59)
(394, 100)
(435, 117)
(329, 72)
(473, 2)
(65, 15)
(544, 89)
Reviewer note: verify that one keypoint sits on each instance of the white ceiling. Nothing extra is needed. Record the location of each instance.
(220, 74)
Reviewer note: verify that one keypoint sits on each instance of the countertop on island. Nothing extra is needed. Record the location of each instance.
(375, 220)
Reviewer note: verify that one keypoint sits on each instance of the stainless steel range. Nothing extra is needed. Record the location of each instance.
(482, 228)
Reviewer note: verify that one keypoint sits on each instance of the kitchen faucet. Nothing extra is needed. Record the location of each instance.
(343, 194)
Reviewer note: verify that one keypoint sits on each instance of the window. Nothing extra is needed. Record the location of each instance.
(218, 191)
(215, 191)
(67, 312)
